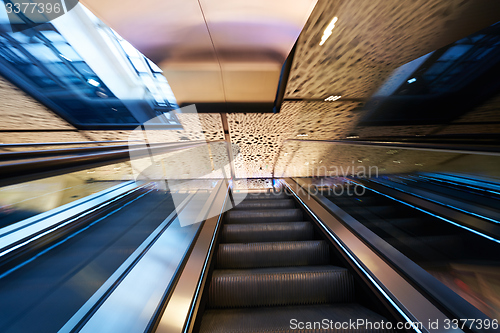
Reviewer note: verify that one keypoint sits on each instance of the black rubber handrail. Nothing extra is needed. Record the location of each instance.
(28, 170)
(17, 155)
(455, 148)
(43, 144)
(446, 298)
(476, 149)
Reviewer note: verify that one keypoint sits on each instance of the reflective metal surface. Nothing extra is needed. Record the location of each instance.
(424, 248)
(23, 232)
(182, 306)
(57, 274)
(107, 287)
(133, 303)
(411, 304)
(441, 86)
(85, 72)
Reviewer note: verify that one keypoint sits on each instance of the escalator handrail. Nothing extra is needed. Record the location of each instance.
(81, 317)
(480, 225)
(131, 284)
(474, 149)
(17, 155)
(28, 170)
(45, 144)
(22, 233)
(406, 299)
(176, 315)
(447, 299)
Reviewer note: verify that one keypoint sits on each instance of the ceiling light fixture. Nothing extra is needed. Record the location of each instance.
(301, 134)
(62, 56)
(93, 82)
(333, 98)
(328, 31)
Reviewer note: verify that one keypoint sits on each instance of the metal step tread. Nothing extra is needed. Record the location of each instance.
(264, 215)
(267, 232)
(280, 319)
(266, 204)
(262, 196)
(273, 254)
(280, 286)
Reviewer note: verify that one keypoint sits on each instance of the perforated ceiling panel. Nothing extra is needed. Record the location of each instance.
(373, 37)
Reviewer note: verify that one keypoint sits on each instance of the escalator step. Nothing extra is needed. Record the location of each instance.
(261, 196)
(281, 319)
(262, 216)
(280, 286)
(267, 232)
(266, 204)
(273, 254)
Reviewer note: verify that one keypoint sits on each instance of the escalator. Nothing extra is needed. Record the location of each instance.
(40, 292)
(422, 236)
(480, 199)
(275, 273)
(462, 259)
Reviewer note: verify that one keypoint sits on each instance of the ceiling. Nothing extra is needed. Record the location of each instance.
(371, 39)
(212, 51)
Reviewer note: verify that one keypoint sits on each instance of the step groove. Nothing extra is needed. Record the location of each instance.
(280, 286)
(264, 216)
(273, 254)
(267, 232)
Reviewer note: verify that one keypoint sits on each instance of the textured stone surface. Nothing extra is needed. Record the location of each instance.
(20, 111)
(374, 37)
(196, 127)
(250, 184)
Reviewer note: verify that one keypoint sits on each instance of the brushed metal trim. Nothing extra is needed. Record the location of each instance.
(452, 302)
(132, 304)
(183, 304)
(100, 295)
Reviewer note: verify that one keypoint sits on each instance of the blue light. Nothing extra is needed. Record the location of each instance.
(355, 260)
(439, 203)
(432, 214)
(93, 82)
(412, 80)
(455, 183)
(39, 254)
